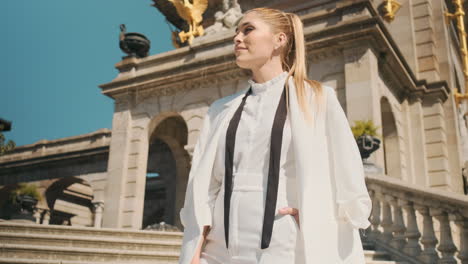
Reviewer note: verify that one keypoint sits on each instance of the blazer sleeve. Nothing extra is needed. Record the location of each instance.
(352, 197)
(197, 153)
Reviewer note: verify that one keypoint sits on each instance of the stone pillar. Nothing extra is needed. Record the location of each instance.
(417, 142)
(136, 174)
(402, 31)
(361, 78)
(426, 45)
(118, 166)
(98, 208)
(435, 128)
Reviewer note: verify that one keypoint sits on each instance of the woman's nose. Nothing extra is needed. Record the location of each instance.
(237, 39)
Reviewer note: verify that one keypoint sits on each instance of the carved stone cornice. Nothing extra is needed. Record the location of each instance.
(172, 86)
(430, 92)
(210, 60)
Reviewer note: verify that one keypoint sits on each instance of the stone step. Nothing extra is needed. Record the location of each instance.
(376, 255)
(44, 244)
(32, 261)
(36, 261)
(85, 255)
(32, 254)
(90, 242)
(67, 231)
(380, 262)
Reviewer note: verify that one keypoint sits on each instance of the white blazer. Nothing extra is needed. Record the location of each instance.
(332, 196)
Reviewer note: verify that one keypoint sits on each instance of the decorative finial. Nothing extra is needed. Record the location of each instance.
(134, 44)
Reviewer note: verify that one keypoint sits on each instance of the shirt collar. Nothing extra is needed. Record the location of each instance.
(277, 81)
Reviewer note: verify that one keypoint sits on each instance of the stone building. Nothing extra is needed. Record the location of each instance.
(401, 73)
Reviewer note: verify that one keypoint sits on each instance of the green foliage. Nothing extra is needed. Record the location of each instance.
(25, 189)
(364, 127)
(5, 146)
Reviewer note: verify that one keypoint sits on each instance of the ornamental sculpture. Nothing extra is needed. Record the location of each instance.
(191, 13)
(188, 17)
(390, 8)
(459, 17)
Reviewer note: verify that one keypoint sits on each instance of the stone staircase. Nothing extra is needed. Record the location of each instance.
(374, 256)
(31, 243)
(50, 244)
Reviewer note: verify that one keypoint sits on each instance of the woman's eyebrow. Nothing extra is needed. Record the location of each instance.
(243, 24)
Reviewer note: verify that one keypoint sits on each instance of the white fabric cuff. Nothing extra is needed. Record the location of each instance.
(356, 212)
(205, 219)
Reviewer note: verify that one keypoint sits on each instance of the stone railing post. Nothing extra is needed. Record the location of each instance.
(46, 217)
(387, 222)
(446, 246)
(98, 209)
(399, 228)
(412, 233)
(429, 240)
(462, 223)
(37, 214)
(375, 217)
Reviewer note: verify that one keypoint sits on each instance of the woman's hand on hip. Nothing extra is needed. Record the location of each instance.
(292, 211)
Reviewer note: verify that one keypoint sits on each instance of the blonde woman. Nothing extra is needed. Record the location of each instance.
(276, 174)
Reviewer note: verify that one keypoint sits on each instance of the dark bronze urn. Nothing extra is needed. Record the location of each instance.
(134, 44)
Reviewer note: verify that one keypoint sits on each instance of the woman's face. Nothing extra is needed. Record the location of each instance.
(254, 42)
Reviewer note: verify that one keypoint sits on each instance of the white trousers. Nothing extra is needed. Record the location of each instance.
(246, 222)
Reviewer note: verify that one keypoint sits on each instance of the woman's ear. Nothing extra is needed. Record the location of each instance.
(280, 40)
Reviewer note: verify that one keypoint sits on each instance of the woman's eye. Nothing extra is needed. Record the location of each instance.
(247, 29)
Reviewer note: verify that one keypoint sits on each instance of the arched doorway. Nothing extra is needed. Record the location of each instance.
(70, 202)
(167, 172)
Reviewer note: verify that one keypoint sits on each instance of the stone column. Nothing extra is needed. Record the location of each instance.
(118, 166)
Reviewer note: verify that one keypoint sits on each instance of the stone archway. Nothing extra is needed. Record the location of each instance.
(70, 202)
(167, 172)
(391, 145)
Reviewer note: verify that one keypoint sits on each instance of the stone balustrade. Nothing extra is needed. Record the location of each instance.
(52, 148)
(417, 224)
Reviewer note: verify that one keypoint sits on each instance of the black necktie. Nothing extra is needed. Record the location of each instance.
(273, 169)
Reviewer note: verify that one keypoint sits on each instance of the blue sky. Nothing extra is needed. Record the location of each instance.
(54, 56)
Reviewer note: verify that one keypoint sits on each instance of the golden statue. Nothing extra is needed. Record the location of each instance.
(390, 8)
(193, 14)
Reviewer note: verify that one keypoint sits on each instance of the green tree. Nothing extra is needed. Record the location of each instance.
(5, 146)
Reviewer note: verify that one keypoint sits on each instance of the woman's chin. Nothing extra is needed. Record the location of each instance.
(242, 64)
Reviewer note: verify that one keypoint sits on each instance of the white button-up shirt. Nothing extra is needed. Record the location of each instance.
(252, 146)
